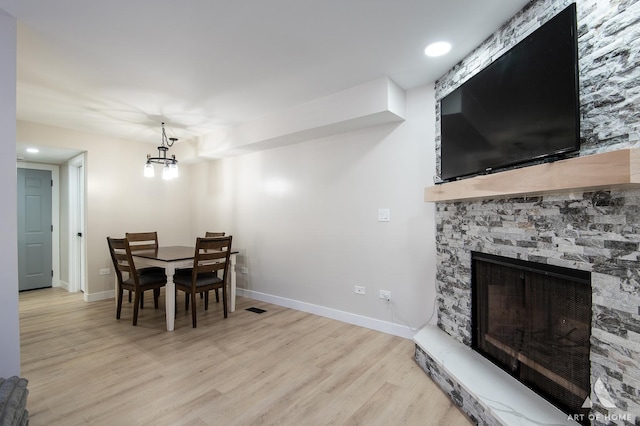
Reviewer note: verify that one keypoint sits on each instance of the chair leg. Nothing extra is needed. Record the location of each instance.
(141, 299)
(156, 296)
(119, 305)
(206, 300)
(217, 296)
(224, 299)
(135, 307)
(193, 310)
(186, 301)
(129, 295)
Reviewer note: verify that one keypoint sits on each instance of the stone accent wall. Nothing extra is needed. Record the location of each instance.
(596, 231)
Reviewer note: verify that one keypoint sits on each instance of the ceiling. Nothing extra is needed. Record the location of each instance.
(120, 67)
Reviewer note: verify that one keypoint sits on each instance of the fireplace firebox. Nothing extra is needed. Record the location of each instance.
(534, 321)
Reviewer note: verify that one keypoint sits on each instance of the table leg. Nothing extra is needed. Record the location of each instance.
(170, 297)
(232, 284)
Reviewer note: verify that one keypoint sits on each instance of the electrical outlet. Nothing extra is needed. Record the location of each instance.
(384, 215)
(105, 271)
(386, 295)
(359, 289)
(244, 270)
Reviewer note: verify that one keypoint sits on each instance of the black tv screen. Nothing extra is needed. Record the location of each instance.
(522, 107)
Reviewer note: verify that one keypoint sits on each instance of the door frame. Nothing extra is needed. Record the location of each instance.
(77, 223)
(55, 216)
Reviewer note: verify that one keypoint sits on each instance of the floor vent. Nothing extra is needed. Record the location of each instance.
(256, 310)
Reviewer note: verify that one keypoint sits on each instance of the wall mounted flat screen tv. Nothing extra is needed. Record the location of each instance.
(523, 107)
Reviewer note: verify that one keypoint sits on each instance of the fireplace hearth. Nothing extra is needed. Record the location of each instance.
(534, 321)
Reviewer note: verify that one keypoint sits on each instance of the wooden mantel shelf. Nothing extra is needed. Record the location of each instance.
(609, 170)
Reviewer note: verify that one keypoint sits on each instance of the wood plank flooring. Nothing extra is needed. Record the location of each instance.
(281, 367)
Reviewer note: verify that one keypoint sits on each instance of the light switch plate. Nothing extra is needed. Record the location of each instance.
(384, 215)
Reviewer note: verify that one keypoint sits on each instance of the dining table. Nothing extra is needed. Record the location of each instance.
(175, 257)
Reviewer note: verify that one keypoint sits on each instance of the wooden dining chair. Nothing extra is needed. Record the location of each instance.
(211, 255)
(188, 270)
(136, 283)
(144, 241)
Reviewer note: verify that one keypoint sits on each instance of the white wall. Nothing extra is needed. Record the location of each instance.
(119, 198)
(9, 326)
(305, 216)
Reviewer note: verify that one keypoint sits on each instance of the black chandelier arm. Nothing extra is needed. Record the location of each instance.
(161, 160)
(166, 140)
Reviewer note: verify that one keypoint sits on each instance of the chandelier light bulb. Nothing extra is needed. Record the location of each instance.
(166, 172)
(173, 168)
(148, 170)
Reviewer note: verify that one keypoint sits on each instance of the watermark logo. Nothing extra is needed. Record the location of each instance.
(601, 395)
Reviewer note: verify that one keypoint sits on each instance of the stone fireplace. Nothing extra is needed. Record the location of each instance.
(597, 232)
(593, 230)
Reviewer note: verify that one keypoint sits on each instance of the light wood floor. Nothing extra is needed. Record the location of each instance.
(282, 367)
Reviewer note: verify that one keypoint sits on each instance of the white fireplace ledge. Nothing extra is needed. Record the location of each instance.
(508, 400)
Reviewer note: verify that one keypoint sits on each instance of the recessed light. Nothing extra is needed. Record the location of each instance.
(33, 150)
(438, 48)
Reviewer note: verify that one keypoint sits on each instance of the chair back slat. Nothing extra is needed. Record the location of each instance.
(213, 234)
(211, 267)
(142, 240)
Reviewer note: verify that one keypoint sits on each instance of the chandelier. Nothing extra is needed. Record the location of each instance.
(170, 164)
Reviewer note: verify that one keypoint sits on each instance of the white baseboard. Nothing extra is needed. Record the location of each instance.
(348, 317)
(94, 297)
(63, 284)
(362, 321)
